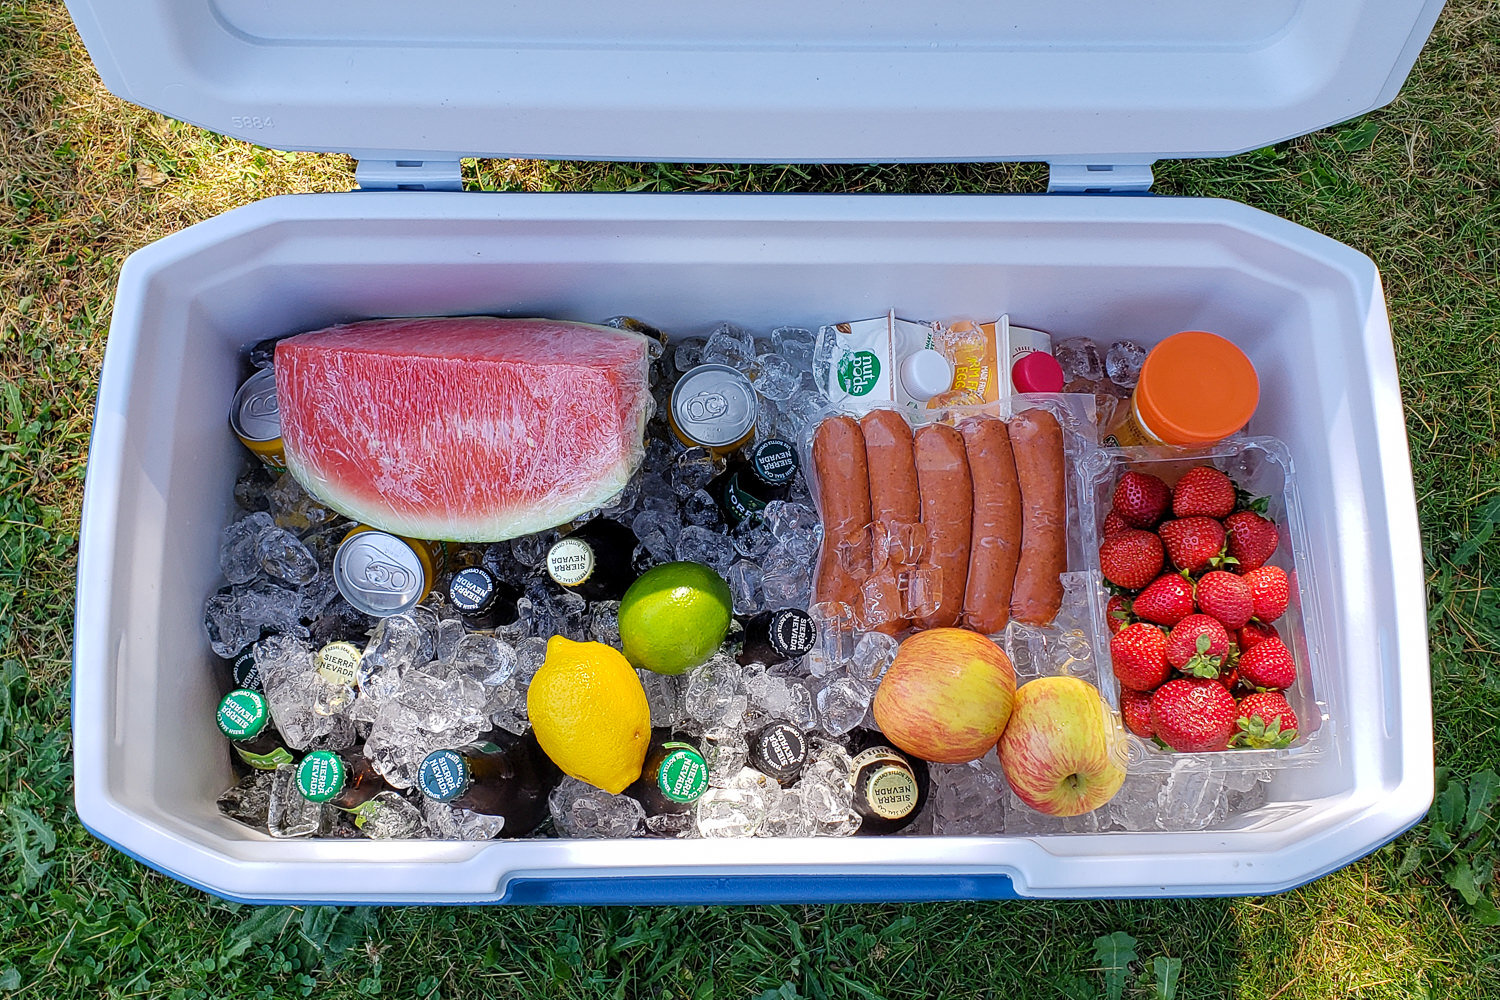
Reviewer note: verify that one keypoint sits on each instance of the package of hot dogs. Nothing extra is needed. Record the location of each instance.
(968, 519)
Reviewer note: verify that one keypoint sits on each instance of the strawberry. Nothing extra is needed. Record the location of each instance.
(1130, 558)
(1139, 655)
(1141, 500)
(1270, 592)
(1203, 492)
(1226, 597)
(1252, 539)
(1253, 633)
(1198, 646)
(1167, 601)
(1117, 613)
(1230, 676)
(1193, 716)
(1113, 523)
(1135, 708)
(1266, 721)
(1268, 666)
(1193, 543)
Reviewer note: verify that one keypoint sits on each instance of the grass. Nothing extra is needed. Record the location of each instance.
(85, 179)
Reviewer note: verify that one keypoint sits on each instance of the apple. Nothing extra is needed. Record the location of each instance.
(1058, 752)
(947, 695)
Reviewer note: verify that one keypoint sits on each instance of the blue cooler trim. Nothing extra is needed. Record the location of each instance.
(655, 890)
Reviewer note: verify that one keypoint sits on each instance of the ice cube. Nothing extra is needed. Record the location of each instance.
(269, 607)
(726, 755)
(530, 550)
(658, 531)
(388, 816)
(698, 544)
(294, 509)
(284, 557)
(730, 812)
(1191, 795)
(289, 813)
(583, 811)
(752, 539)
(252, 487)
(227, 632)
(745, 579)
(702, 510)
(1079, 359)
(967, 799)
(1134, 806)
(604, 623)
(715, 693)
(450, 632)
(688, 353)
(674, 825)
(871, 658)
(486, 659)
(794, 526)
(447, 823)
(729, 345)
(795, 344)
(842, 706)
(774, 377)
(786, 816)
(787, 578)
(692, 470)
(239, 556)
(249, 800)
(1122, 363)
(664, 694)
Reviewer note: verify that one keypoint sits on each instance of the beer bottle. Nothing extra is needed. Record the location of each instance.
(765, 474)
(890, 787)
(777, 636)
(245, 718)
(347, 780)
(511, 780)
(673, 776)
(779, 750)
(595, 560)
(484, 601)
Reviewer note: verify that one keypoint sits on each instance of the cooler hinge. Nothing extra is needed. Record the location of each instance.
(409, 175)
(1097, 178)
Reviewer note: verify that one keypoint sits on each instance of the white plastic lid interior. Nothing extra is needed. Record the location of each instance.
(779, 80)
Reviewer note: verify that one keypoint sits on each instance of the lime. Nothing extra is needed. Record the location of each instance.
(674, 617)
(589, 713)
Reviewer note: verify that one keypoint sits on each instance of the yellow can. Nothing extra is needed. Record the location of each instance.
(382, 574)
(255, 418)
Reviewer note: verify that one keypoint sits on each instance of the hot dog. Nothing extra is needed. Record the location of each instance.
(947, 500)
(838, 454)
(996, 543)
(1036, 441)
(893, 488)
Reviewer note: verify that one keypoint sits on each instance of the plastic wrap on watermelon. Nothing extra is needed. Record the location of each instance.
(467, 429)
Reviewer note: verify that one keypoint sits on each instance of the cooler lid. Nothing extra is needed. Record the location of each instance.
(1091, 81)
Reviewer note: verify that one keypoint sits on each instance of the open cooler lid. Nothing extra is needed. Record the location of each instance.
(1092, 81)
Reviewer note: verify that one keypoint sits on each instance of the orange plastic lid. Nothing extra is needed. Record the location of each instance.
(1196, 387)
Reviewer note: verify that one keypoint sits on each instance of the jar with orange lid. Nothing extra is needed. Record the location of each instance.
(1195, 388)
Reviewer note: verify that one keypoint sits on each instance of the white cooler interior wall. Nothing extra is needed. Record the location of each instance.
(1297, 317)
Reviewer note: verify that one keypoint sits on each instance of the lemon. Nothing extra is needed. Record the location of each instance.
(589, 713)
(674, 617)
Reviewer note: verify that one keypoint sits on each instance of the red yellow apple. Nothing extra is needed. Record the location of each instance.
(1058, 750)
(947, 695)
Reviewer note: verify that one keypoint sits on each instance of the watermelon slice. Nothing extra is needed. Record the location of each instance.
(470, 429)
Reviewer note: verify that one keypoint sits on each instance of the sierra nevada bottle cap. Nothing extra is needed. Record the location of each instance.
(683, 774)
(793, 632)
(779, 750)
(243, 714)
(570, 562)
(774, 461)
(472, 590)
(338, 663)
(444, 775)
(321, 775)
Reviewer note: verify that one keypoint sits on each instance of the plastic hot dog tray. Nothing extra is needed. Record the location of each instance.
(1098, 90)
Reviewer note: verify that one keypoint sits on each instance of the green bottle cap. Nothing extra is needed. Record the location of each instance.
(444, 775)
(243, 714)
(683, 774)
(321, 775)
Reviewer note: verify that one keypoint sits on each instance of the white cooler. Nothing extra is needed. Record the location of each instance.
(1098, 90)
